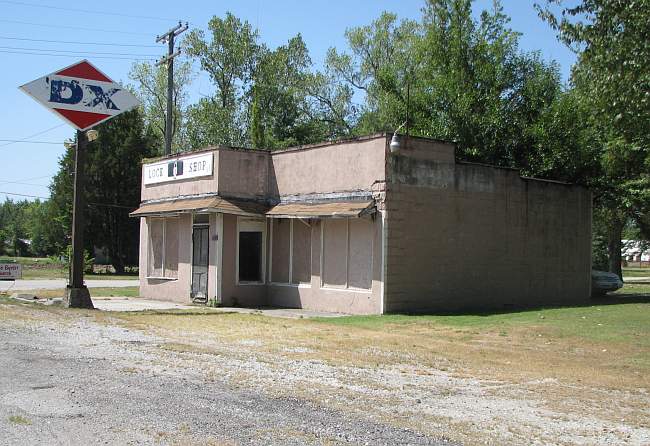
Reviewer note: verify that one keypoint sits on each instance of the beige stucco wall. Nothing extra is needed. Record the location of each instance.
(327, 168)
(348, 166)
(177, 290)
(251, 295)
(463, 236)
(243, 173)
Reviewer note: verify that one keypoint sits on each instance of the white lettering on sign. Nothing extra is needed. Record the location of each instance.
(191, 166)
(11, 271)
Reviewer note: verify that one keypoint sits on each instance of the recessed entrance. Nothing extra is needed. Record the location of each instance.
(200, 262)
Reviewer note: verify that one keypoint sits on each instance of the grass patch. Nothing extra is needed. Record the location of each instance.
(632, 289)
(48, 268)
(109, 276)
(636, 272)
(130, 291)
(616, 318)
(17, 419)
(30, 261)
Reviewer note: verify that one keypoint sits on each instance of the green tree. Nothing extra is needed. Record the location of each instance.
(229, 57)
(151, 89)
(13, 227)
(612, 77)
(112, 188)
(383, 60)
(261, 96)
(456, 78)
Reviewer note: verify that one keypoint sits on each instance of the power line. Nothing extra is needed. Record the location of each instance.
(26, 179)
(75, 42)
(12, 141)
(35, 134)
(79, 28)
(76, 55)
(107, 205)
(25, 195)
(87, 11)
(26, 184)
(78, 52)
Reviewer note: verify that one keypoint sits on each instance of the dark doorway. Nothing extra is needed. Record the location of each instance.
(200, 250)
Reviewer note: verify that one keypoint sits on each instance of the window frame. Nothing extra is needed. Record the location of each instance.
(248, 224)
(164, 248)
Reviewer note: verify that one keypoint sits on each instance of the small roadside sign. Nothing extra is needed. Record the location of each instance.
(81, 95)
(11, 271)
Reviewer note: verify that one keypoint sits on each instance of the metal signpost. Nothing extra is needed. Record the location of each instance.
(83, 96)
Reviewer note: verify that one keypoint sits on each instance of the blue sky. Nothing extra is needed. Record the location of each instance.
(128, 28)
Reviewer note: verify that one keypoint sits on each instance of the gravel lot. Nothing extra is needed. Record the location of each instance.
(80, 382)
(91, 377)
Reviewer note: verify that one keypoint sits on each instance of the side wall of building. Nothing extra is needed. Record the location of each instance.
(464, 237)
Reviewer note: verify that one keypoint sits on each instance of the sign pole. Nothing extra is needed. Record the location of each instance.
(77, 295)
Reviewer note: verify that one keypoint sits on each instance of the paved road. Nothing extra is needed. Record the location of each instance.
(53, 284)
(87, 383)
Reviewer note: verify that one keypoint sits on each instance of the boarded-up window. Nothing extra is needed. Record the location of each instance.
(171, 248)
(156, 247)
(335, 250)
(281, 245)
(360, 253)
(347, 253)
(301, 258)
(163, 248)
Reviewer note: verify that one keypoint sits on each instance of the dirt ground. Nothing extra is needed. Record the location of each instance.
(74, 377)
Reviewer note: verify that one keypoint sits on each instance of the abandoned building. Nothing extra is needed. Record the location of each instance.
(359, 226)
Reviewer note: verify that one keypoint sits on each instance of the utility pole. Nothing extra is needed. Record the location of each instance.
(169, 60)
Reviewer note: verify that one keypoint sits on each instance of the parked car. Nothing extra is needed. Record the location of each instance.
(603, 282)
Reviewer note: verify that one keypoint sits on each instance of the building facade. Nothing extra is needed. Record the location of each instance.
(351, 227)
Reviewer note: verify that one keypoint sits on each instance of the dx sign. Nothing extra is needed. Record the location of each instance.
(74, 92)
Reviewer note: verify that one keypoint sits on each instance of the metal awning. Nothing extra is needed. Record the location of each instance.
(331, 209)
(216, 204)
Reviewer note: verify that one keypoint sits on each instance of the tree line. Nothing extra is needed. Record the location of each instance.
(453, 76)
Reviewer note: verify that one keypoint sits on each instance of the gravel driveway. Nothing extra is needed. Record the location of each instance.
(80, 382)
